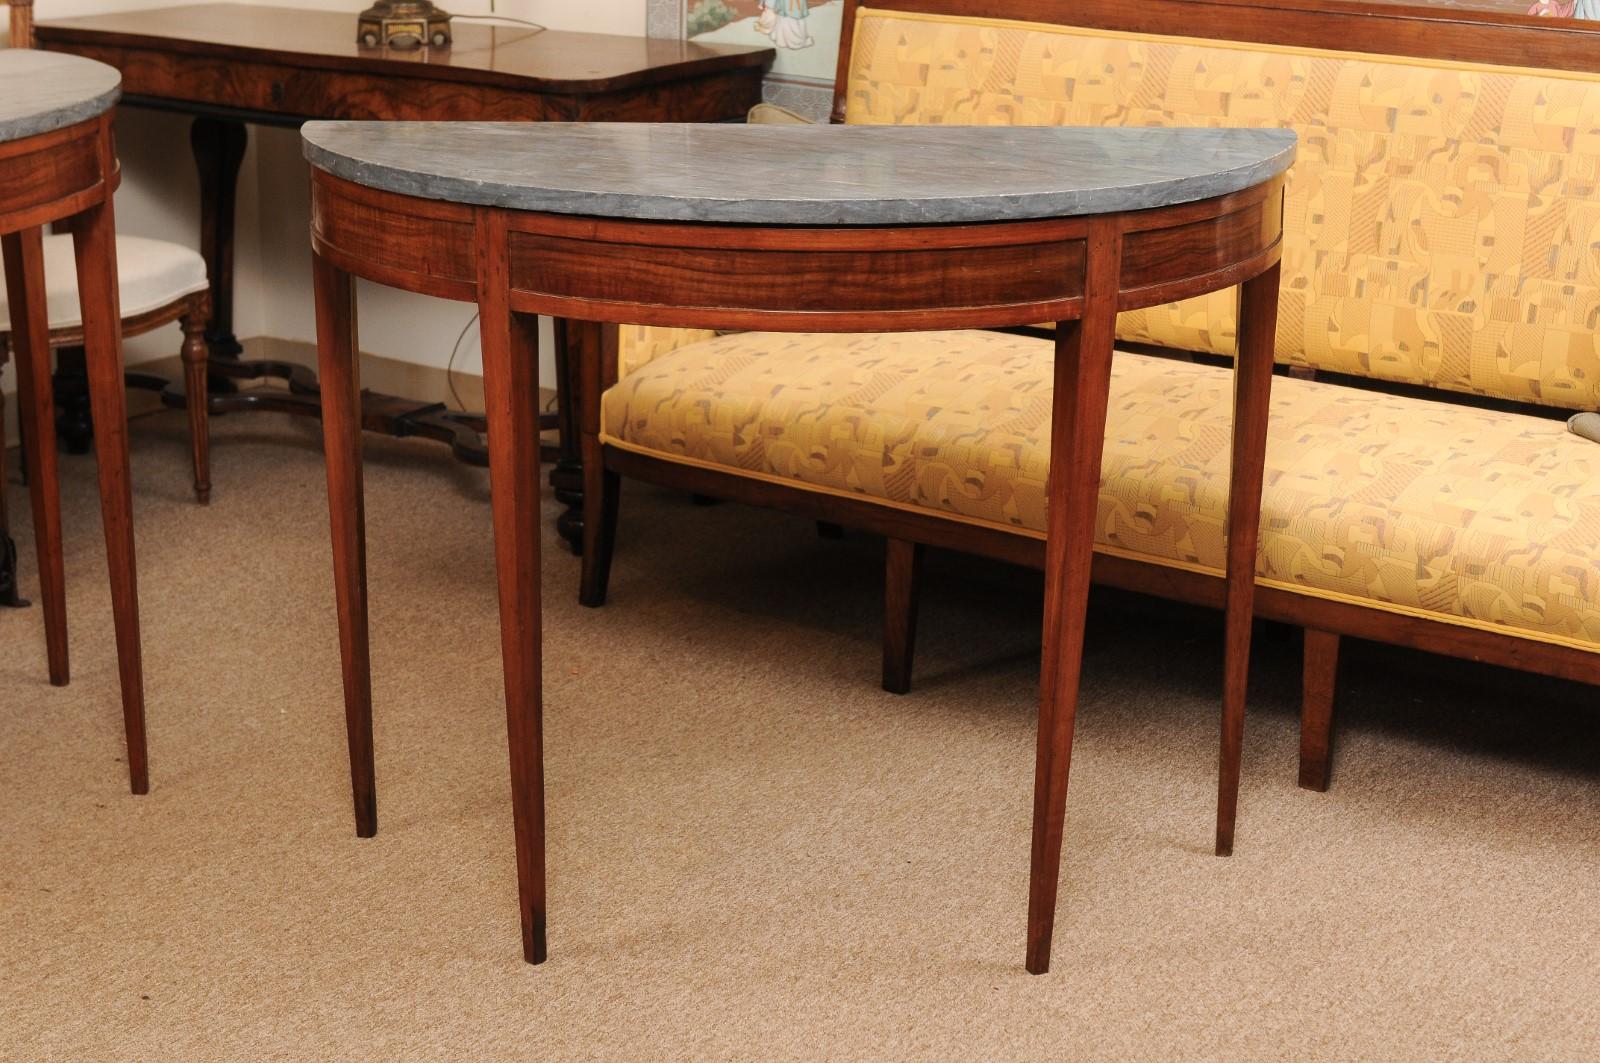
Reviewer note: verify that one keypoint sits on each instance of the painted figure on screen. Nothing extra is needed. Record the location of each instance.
(805, 32)
(1588, 9)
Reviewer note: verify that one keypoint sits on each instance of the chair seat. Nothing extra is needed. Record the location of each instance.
(1485, 518)
(150, 273)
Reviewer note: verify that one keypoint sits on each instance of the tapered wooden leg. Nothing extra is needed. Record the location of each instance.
(195, 353)
(1319, 671)
(1078, 426)
(341, 444)
(30, 338)
(511, 394)
(24, 272)
(95, 244)
(902, 578)
(1252, 396)
(596, 348)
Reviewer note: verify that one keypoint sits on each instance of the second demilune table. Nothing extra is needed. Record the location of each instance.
(795, 228)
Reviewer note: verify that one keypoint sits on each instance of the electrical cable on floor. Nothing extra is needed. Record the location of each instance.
(450, 366)
(450, 369)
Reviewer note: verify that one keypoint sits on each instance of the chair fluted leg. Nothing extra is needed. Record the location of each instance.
(195, 353)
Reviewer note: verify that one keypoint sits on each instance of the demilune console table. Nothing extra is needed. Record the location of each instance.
(794, 228)
(58, 163)
(232, 64)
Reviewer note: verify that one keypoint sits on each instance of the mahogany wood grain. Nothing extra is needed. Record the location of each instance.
(53, 176)
(1252, 397)
(68, 176)
(902, 581)
(94, 240)
(1077, 438)
(25, 294)
(511, 399)
(339, 367)
(956, 282)
(241, 43)
(1319, 671)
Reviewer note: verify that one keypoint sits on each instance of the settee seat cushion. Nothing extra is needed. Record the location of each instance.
(1476, 517)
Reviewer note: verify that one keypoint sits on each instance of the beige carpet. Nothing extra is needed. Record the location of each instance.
(754, 853)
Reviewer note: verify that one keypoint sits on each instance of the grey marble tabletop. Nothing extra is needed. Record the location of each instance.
(799, 175)
(41, 91)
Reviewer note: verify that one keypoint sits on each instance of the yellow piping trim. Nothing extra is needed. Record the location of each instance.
(1564, 641)
(865, 13)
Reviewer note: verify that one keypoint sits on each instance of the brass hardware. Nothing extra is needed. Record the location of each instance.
(403, 25)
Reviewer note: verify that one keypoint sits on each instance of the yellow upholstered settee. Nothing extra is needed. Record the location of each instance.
(1442, 237)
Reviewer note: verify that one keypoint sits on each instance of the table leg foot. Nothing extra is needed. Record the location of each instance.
(95, 247)
(511, 394)
(1252, 397)
(341, 442)
(1078, 426)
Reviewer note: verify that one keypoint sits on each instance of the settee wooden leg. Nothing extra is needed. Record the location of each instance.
(30, 338)
(195, 318)
(601, 494)
(597, 346)
(1319, 672)
(902, 579)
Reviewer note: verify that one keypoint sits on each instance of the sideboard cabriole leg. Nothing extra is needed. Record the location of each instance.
(30, 338)
(95, 247)
(1252, 396)
(1078, 428)
(511, 395)
(341, 443)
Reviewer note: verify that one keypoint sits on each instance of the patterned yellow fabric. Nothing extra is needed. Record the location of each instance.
(1487, 519)
(638, 345)
(1441, 220)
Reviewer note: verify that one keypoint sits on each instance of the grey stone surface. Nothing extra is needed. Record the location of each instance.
(41, 91)
(799, 175)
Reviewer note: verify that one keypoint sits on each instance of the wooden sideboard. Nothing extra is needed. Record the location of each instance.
(229, 65)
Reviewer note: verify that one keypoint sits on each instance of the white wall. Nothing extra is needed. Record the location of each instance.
(159, 198)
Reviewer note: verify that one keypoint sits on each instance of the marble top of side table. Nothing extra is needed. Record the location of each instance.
(800, 175)
(41, 91)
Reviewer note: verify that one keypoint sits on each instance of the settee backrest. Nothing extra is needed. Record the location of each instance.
(1442, 224)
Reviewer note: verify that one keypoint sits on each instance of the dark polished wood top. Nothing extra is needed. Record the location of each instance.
(513, 57)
